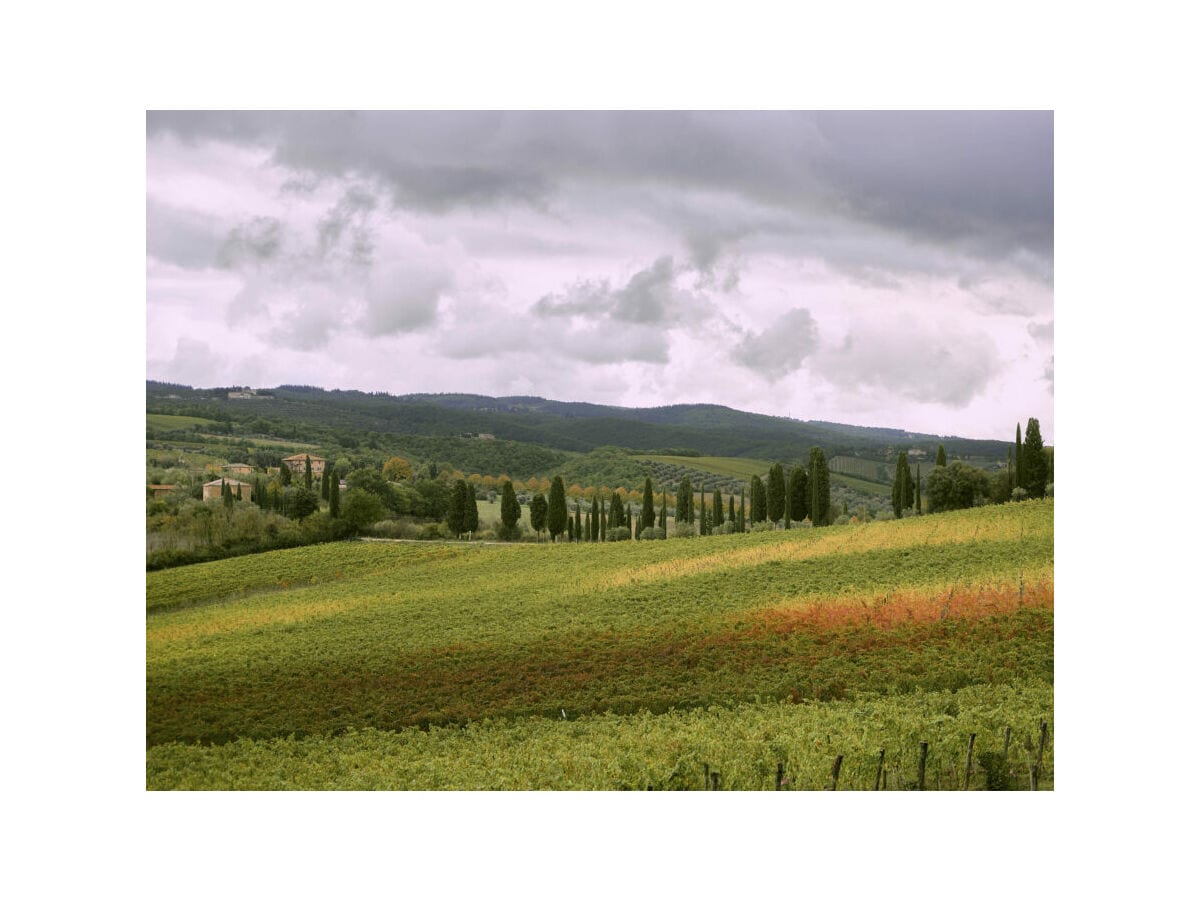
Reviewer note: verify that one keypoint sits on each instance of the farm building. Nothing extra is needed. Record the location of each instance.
(212, 489)
(160, 490)
(296, 463)
(238, 469)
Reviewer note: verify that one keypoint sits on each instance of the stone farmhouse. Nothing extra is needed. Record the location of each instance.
(238, 469)
(296, 464)
(160, 490)
(212, 489)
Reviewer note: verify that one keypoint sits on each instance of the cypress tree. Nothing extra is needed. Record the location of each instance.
(307, 472)
(510, 508)
(1018, 456)
(603, 522)
(818, 483)
(776, 493)
(663, 517)
(590, 533)
(285, 474)
(335, 497)
(758, 500)
(941, 457)
(470, 510)
(1034, 465)
(537, 513)
(556, 519)
(683, 501)
(456, 516)
(647, 506)
(718, 513)
(899, 484)
(732, 516)
(798, 494)
(741, 519)
(703, 526)
(594, 514)
(325, 484)
(578, 524)
(908, 484)
(918, 494)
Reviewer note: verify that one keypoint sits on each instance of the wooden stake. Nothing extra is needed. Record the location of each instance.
(921, 765)
(879, 770)
(837, 770)
(970, 748)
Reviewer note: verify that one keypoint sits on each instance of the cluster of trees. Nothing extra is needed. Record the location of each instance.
(1029, 473)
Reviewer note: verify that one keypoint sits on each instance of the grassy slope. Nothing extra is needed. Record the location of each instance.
(160, 420)
(867, 487)
(323, 639)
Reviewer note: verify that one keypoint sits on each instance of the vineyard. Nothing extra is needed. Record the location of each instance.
(615, 665)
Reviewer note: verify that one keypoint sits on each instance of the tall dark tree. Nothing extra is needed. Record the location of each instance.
(741, 518)
(818, 487)
(647, 506)
(226, 494)
(776, 493)
(538, 511)
(798, 494)
(941, 457)
(325, 483)
(1035, 460)
(662, 516)
(900, 488)
(1019, 460)
(683, 501)
(556, 519)
(470, 510)
(589, 534)
(758, 500)
(595, 516)
(703, 512)
(603, 522)
(578, 524)
(510, 509)
(718, 514)
(285, 475)
(307, 473)
(917, 495)
(335, 497)
(456, 516)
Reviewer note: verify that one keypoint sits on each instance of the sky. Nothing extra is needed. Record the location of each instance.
(876, 268)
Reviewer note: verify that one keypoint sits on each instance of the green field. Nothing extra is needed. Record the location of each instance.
(159, 420)
(858, 484)
(452, 665)
(730, 466)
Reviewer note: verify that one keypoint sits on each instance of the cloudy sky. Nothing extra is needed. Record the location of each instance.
(889, 269)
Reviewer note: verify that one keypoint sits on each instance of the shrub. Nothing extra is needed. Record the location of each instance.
(620, 533)
(762, 526)
(884, 515)
(843, 519)
(1020, 494)
(684, 530)
(1050, 489)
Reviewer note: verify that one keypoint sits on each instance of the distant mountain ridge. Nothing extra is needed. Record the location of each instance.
(710, 429)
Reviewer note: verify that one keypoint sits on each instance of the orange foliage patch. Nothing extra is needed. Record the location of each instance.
(900, 608)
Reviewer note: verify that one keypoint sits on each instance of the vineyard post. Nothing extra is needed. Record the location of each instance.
(779, 777)
(921, 765)
(879, 770)
(837, 770)
(970, 747)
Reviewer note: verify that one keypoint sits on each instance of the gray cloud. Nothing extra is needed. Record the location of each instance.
(781, 348)
(912, 363)
(257, 241)
(404, 297)
(650, 297)
(979, 181)
(1042, 332)
(181, 237)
